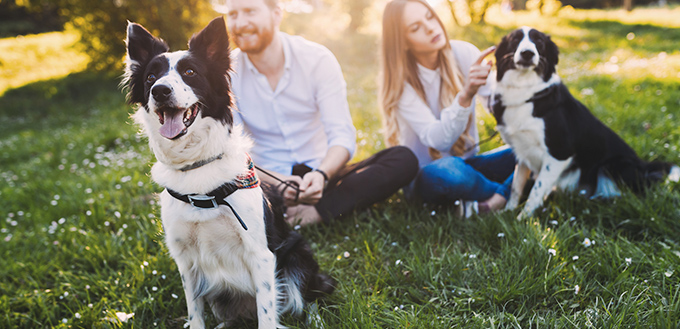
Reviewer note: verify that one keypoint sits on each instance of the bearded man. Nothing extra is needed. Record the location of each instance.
(292, 101)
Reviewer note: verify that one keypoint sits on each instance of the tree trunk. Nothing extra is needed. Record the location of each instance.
(453, 12)
(628, 5)
(519, 4)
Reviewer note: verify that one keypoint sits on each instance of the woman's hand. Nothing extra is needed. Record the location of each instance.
(479, 72)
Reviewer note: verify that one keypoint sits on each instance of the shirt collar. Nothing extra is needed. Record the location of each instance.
(286, 54)
(428, 75)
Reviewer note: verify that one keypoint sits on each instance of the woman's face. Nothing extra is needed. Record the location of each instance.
(424, 34)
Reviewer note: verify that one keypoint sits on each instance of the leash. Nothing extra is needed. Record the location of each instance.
(294, 185)
(485, 140)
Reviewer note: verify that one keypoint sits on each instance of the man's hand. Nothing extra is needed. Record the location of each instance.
(312, 184)
(291, 196)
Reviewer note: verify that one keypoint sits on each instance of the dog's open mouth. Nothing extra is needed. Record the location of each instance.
(176, 121)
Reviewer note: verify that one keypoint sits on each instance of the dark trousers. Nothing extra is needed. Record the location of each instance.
(359, 185)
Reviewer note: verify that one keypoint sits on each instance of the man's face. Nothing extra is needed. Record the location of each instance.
(252, 24)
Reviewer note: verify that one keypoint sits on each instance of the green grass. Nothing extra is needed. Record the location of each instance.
(80, 237)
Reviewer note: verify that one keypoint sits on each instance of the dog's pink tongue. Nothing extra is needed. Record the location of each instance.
(173, 124)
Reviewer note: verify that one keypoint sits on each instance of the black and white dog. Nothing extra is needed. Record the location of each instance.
(554, 135)
(232, 249)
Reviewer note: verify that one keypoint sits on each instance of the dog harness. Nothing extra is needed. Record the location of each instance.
(217, 197)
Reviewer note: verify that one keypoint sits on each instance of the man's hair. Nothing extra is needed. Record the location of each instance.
(272, 3)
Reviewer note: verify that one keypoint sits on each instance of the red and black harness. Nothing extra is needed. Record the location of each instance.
(217, 197)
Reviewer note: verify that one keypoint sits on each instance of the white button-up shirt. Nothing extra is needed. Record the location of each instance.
(306, 114)
(424, 124)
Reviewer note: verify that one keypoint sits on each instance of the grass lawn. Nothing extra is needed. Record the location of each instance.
(81, 242)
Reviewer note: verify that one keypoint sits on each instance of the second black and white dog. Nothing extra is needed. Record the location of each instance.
(232, 249)
(553, 135)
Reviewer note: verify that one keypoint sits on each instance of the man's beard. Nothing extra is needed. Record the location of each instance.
(264, 35)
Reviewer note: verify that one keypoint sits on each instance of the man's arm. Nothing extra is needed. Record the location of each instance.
(313, 182)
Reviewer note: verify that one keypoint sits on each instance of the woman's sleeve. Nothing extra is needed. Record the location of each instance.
(440, 133)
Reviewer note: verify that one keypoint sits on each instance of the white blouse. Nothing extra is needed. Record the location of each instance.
(424, 125)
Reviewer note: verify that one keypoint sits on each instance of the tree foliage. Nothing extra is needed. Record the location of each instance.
(102, 23)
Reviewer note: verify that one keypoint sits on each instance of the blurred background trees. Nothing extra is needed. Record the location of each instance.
(101, 23)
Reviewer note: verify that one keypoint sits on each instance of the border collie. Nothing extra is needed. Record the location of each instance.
(553, 135)
(233, 249)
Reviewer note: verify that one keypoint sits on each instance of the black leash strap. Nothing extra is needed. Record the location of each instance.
(288, 184)
(486, 140)
(211, 200)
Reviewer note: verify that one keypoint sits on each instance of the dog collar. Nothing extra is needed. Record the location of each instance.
(217, 197)
(201, 163)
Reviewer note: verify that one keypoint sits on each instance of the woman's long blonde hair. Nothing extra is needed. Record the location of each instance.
(399, 66)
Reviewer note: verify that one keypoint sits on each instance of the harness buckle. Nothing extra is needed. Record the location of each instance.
(202, 198)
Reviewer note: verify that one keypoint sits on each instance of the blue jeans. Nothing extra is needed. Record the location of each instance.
(477, 178)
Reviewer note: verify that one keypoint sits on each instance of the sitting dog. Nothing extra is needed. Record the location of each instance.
(232, 249)
(554, 135)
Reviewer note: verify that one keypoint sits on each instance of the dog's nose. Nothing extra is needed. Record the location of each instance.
(527, 55)
(161, 93)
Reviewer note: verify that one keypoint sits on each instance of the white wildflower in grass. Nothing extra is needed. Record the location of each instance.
(117, 214)
(572, 218)
(501, 235)
(124, 317)
(174, 296)
(118, 186)
(582, 192)
(154, 288)
(297, 227)
(90, 305)
(394, 244)
(77, 315)
(20, 213)
(163, 276)
(88, 190)
(61, 220)
(125, 179)
(14, 223)
(553, 222)
(64, 320)
(552, 251)
(125, 226)
(106, 223)
(433, 213)
(145, 263)
(87, 287)
(345, 254)
(668, 273)
(8, 238)
(587, 243)
(154, 272)
(575, 258)
(57, 197)
(88, 213)
(472, 256)
(140, 184)
(398, 262)
(577, 289)
(54, 202)
(628, 260)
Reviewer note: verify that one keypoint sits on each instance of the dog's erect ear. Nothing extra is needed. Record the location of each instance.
(212, 42)
(141, 45)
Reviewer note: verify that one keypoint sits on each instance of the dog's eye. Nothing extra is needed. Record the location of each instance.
(151, 78)
(189, 72)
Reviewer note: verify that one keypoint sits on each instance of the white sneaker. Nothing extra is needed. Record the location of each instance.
(470, 208)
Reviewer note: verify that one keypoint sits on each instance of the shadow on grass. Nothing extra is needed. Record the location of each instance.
(604, 35)
(51, 103)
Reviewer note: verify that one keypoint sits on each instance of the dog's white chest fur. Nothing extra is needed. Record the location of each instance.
(526, 135)
(520, 129)
(217, 244)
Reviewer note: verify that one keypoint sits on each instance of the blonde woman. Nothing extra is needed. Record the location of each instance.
(428, 90)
